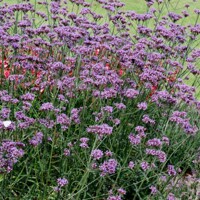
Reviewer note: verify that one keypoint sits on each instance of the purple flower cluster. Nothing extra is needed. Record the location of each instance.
(63, 120)
(142, 106)
(144, 165)
(75, 115)
(96, 154)
(37, 139)
(171, 196)
(28, 97)
(47, 106)
(101, 130)
(121, 191)
(134, 139)
(131, 93)
(67, 152)
(158, 153)
(153, 190)
(61, 183)
(10, 152)
(108, 167)
(180, 118)
(146, 119)
(120, 106)
(131, 165)
(171, 170)
(154, 142)
(141, 131)
(84, 142)
(5, 113)
(112, 197)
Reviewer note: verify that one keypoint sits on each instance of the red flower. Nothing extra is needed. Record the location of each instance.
(5, 63)
(121, 72)
(70, 73)
(153, 90)
(38, 74)
(107, 66)
(33, 72)
(97, 52)
(7, 73)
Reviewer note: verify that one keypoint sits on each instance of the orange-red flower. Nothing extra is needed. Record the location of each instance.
(121, 72)
(6, 73)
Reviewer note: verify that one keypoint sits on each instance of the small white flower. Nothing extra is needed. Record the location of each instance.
(7, 123)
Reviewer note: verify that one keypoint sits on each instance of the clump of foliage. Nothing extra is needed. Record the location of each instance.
(95, 107)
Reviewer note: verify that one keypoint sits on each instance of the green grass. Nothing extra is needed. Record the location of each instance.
(137, 5)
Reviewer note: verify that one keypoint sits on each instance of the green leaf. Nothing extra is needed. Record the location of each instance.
(1, 177)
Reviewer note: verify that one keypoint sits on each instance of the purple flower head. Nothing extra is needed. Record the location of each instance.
(94, 165)
(142, 106)
(70, 144)
(174, 17)
(84, 145)
(197, 11)
(67, 152)
(131, 165)
(56, 189)
(47, 106)
(145, 166)
(108, 153)
(185, 13)
(116, 121)
(96, 154)
(171, 196)
(146, 119)
(101, 130)
(108, 109)
(112, 197)
(154, 142)
(37, 139)
(171, 170)
(84, 142)
(75, 115)
(158, 153)
(161, 156)
(163, 178)
(28, 97)
(134, 139)
(47, 123)
(141, 131)
(26, 105)
(131, 93)
(108, 167)
(63, 119)
(108, 93)
(5, 113)
(121, 191)
(165, 140)
(153, 190)
(120, 106)
(62, 182)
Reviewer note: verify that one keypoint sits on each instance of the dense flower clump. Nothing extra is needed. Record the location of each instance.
(10, 152)
(100, 98)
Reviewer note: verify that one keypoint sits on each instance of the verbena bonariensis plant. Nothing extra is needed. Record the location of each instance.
(96, 107)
